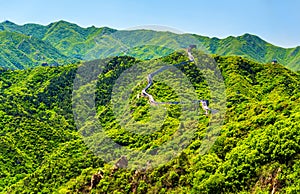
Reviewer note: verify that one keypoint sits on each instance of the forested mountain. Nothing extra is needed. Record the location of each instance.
(253, 47)
(79, 43)
(257, 149)
(19, 51)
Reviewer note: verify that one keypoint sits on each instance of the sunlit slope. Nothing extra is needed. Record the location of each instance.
(256, 150)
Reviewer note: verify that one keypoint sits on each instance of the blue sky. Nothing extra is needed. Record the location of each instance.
(276, 21)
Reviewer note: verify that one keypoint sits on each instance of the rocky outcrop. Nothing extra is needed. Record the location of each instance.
(96, 179)
(121, 163)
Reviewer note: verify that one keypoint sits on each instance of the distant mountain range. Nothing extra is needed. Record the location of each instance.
(59, 43)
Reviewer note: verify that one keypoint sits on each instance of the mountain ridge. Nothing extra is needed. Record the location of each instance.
(90, 43)
(23, 51)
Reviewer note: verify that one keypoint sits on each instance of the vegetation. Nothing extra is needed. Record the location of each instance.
(257, 149)
(19, 51)
(56, 41)
(254, 48)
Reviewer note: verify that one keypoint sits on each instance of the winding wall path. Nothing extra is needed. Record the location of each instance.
(150, 76)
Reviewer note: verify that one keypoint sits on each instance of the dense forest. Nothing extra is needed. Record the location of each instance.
(45, 150)
(60, 43)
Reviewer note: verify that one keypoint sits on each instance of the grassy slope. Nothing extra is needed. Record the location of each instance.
(42, 150)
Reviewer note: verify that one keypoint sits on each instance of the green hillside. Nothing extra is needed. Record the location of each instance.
(19, 51)
(70, 39)
(253, 47)
(35, 30)
(91, 43)
(257, 149)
